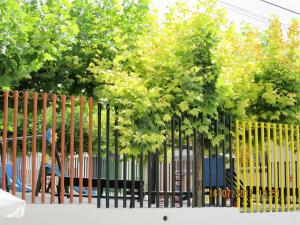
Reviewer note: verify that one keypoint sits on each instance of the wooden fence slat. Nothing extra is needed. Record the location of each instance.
(24, 143)
(14, 153)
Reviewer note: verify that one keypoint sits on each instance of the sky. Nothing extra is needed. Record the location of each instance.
(255, 12)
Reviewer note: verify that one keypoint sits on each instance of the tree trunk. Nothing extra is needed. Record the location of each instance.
(198, 179)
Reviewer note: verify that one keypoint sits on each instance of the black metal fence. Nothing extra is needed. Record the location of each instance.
(188, 170)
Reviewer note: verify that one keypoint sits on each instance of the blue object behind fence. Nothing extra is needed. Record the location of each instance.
(9, 179)
(213, 172)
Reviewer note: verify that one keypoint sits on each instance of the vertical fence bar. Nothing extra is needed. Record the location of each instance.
(72, 126)
(90, 149)
(195, 150)
(62, 148)
(287, 172)
(157, 178)
(124, 180)
(15, 133)
(262, 129)
(116, 159)
(141, 189)
(132, 202)
(281, 169)
(203, 164)
(231, 161)
(24, 144)
(217, 161)
(4, 140)
(237, 155)
(33, 151)
(275, 166)
(173, 159)
(298, 163)
(165, 170)
(188, 174)
(81, 127)
(224, 160)
(99, 185)
(250, 164)
(53, 140)
(244, 166)
(293, 168)
(150, 181)
(44, 128)
(107, 155)
(269, 167)
(180, 159)
(210, 172)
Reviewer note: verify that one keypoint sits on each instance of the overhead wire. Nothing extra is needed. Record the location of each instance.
(281, 7)
(250, 14)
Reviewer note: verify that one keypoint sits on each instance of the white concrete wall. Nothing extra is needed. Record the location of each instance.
(90, 215)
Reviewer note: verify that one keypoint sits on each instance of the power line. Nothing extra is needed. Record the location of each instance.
(281, 7)
(250, 14)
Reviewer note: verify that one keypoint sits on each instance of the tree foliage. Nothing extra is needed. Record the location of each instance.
(171, 70)
(32, 34)
(260, 72)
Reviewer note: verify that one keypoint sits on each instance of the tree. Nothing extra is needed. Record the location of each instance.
(105, 29)
(260, 72)
(33, 33)
(277, 81)
(172, 71)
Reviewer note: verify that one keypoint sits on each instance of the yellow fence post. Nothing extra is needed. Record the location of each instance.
(298, 164)
(287, 171)
(275, 167)
(250, 165)
(263, 166)
(281, 169)
(293, 168)
(237, 163)
(244, 166)
(269, 167)
(257, 167)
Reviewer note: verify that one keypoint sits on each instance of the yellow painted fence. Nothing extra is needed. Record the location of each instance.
(267, 166)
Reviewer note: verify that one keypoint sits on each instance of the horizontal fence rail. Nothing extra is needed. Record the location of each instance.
(67, 149)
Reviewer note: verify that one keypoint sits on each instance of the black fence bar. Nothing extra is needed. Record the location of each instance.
(231, 165)
(157, 178)
(141, 189)
(217, 162)
(223, 159)
(210, 173)
(165, 178)
(173, 159)
(203, 167)
(107, 154)
(99, 157)
(149, 180)
(116, 159)
(124, 181)
(132, 201)
(195, 199)
(188, 173)
(180, 160)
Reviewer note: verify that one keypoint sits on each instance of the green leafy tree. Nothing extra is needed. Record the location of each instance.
(277, 81)
(32, 34)
(105, 29)
(172, 70)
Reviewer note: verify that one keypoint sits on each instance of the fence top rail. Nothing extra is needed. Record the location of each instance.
(40, 95)
(259, 124)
